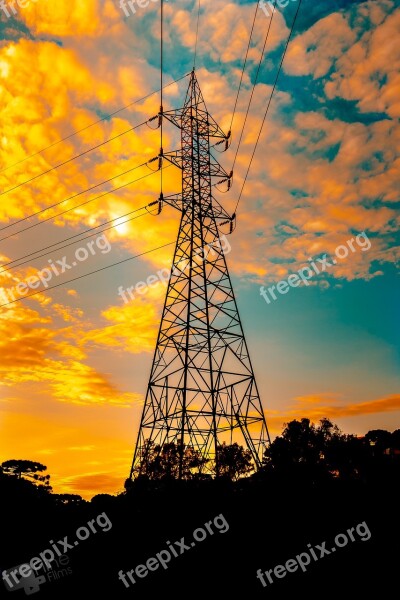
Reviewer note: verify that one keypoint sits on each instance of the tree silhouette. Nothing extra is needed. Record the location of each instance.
(299, 444)
(233, 461)
(343, 454)
(315, 452)
(68, 499)
(395, 442)
(26, 468)
(163, 461)
(379, 440)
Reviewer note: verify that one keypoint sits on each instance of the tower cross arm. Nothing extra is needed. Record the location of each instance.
(216, 211)
(176, 158)
(213, 129)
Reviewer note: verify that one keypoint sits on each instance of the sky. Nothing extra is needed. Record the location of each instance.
(75, 359)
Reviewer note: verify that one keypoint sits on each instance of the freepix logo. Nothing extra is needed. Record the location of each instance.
(26, 577)
(50, 560)
(31, 583)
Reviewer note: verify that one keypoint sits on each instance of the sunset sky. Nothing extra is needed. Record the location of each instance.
(74, 361)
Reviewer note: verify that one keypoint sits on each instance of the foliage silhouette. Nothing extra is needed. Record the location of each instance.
(234, 461)
(26, 468)
(162, 462)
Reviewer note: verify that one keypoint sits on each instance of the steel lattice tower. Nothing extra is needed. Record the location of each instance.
(202, 389)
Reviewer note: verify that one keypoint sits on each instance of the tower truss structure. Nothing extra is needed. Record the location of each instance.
(202, 390)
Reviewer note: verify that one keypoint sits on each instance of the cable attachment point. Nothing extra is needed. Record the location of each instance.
(227, 140)
(160, 158)
(152, 119)
(151, 161)
(230, 177)
(233, 223)
(160, 202)
(227, 180)
(160, 115)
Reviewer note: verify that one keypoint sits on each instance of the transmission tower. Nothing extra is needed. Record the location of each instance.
(202, 389)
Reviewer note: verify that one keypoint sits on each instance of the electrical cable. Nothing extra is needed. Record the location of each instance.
(243, 68)
(105, 118)
(269, 104)
(90, 273)
(72, 158)
(74, 196)
(197, 35)
(254, 86)
(31, 254)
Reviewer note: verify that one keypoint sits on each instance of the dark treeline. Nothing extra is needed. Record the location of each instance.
(316, 482)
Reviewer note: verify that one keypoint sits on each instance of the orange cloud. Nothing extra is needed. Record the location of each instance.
(72, 18)
(32, 352)
(134, 325)
(89, 485)
(369, 72)
(313, 52)
(316, 407)
(224, 30)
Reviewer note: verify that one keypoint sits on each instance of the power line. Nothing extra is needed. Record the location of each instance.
(90, 273)
(106, 117)
(244, 66)
(254, 85)
(161, 94)
(197, 34)
(269, 103)
(83, 203)
(31, 254)
(70, 198)
(73, 158)
(76, 241)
